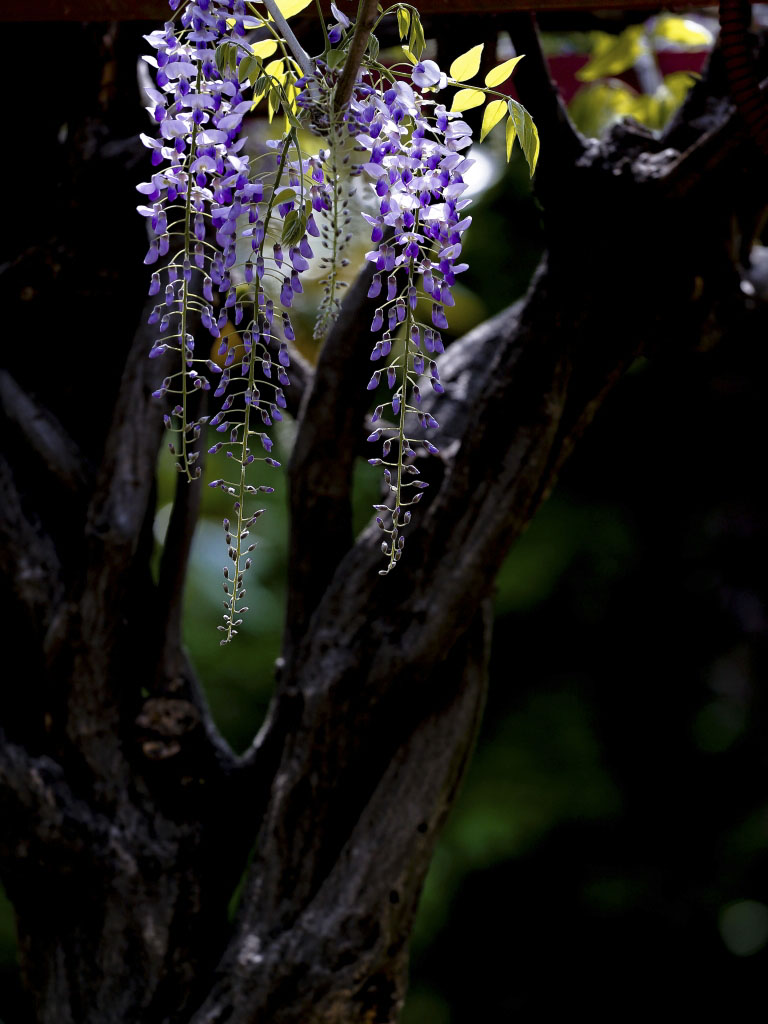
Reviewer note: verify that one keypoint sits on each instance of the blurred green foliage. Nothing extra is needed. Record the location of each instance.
(652, 98)
(596, 107)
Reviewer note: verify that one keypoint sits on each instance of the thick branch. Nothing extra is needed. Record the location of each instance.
(40, 816)
(115, 522)
(340, 947)
(44, 434)
(321, 466)
(28, 557)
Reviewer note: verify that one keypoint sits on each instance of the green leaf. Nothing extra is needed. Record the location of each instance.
(409, 55)
(284, 196)
(373, 47)
(273, 101)
(527, 133)
(335, 58)
(294, 226)
(220, 57)
(291, 118)
(465, 99)
(502, 72)
(614, 55)
(226, 57)
(416, 41)
(492, 114)
(510, 136)
(403, 22)
(682, 31)
(250, 68)
(467, 65)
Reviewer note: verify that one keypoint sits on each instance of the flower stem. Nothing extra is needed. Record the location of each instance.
(185, 301)
(240, 522)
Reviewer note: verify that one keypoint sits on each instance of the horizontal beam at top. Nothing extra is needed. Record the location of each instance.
(158, 10)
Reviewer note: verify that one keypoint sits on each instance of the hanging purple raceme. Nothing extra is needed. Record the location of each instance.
(205, 197)
(418, 181)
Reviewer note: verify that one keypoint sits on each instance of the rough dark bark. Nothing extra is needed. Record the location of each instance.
(126, 820)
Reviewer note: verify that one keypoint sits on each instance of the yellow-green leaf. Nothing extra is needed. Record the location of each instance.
(492, 114)
(403, 22)
(290, 7)
(275, 68)
(467, 65)
(682, 31)
(511, 133)
(502, 72)
(614, 54)
(678, 83)
(409, 55)
(416, 41)
(465, 99)
(264, 49)
(527, 133)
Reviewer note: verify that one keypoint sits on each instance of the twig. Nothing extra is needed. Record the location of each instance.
(302, 57)
(366, 18)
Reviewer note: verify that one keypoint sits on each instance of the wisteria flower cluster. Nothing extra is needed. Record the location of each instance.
(231, 234)
(419, 184)
(207, 198)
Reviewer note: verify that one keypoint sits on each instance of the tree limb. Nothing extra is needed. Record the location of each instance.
(41, 818)
(28, 557)
(321, 467)
(45, 436)
(115, 522)
(366, 18)
(339, 946)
